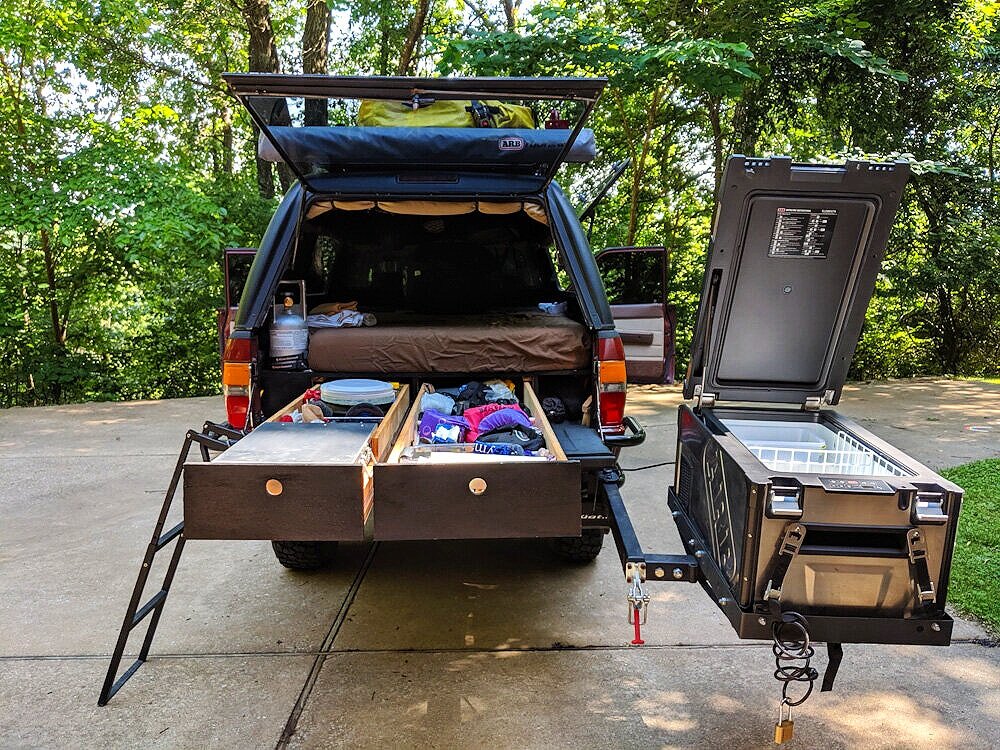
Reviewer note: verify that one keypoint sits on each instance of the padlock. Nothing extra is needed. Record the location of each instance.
(784, 730)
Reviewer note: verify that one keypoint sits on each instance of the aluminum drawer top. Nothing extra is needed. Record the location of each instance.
(300, 443)
(795, 252)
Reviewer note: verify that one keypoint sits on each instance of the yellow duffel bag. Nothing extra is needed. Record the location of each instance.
(442, 114)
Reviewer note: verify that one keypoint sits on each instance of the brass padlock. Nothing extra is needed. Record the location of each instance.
(784, 730)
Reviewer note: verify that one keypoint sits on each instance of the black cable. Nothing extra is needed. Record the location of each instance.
(651, 466)
(791, 644)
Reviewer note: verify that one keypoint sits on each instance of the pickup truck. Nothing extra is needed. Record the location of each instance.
(474, 266)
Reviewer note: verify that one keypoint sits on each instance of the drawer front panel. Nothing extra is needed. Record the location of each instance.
(269, 501)
(477, 501)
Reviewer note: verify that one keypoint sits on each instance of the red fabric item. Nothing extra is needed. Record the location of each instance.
(311, 395)
(476, 414)
(285, 418)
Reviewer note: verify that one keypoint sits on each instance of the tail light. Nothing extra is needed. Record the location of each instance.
(236, 359)
(611, 383)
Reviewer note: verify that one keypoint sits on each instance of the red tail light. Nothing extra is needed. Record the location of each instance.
(611, 383)
(236, 361)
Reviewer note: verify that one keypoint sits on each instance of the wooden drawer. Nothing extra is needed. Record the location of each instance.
(291, 481)
(517, 499)
(233, 501)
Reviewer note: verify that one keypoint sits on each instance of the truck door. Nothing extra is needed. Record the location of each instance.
(635, 279)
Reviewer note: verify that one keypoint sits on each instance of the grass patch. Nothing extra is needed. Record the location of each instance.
(995, 381)
(975, 573)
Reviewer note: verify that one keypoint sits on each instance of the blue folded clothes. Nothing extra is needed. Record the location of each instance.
(439, 402)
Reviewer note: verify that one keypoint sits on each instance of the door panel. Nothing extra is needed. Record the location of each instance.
(635, 281)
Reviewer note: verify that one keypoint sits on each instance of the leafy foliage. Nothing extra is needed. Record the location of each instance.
(127, 168)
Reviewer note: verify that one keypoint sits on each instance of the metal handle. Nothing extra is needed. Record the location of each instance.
(634, 435)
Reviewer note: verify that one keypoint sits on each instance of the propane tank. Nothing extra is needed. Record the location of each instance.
(289, 338)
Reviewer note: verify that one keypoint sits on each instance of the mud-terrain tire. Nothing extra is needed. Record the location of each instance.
(579, 549)
(305, 555)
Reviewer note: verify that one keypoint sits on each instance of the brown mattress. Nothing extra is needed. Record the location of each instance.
(508, 342)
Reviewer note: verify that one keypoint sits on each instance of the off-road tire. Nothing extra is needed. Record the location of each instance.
(305, 555)
(579, 549)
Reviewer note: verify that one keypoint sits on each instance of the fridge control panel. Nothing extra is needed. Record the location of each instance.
(840, 484)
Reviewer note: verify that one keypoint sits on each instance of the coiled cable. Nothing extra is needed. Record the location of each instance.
(792, 653)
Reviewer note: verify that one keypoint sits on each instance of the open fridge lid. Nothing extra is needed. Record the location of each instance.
(795, 252)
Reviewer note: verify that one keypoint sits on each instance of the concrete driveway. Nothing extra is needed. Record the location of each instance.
(459, 644)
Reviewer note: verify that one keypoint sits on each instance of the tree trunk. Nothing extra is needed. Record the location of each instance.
(262, 56)
(227, 141)
(315, 50)
(58, 327)
(413, 37)
(715, 119)
(639, 167)
(510, 9)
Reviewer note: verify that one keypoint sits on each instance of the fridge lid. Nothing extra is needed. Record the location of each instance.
(795, 252)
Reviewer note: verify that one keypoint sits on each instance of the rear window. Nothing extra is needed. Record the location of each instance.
(472, 262)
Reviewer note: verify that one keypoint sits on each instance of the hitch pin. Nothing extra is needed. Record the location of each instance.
(638, 603)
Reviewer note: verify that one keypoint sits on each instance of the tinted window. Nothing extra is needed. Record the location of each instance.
(460, 264)
(633, 278)
(238, 264)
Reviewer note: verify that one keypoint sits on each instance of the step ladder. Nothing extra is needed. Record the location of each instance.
(213, 437)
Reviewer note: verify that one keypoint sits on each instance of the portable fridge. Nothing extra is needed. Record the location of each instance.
(787, 505)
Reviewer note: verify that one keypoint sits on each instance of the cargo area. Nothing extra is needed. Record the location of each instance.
(404, 287)
(810, 448)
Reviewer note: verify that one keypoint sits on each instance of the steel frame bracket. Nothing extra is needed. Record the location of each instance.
(645, 566)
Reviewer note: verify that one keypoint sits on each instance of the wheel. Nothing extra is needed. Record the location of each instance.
(305, 555)
(579, 549)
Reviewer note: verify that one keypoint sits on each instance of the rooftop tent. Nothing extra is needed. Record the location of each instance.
(312, 150)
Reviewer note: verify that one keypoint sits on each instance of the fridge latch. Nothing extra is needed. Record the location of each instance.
(929, 507)
(916, 547)
(785, 502)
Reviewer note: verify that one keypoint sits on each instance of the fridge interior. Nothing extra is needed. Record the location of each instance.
(809, 448)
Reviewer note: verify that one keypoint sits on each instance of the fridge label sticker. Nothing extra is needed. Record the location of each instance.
(802, 232)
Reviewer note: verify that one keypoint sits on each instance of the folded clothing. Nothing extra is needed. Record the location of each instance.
(508, 417)
(439, 402)
(528, 438)
(342, 319)
(477, 414)
(432, 420)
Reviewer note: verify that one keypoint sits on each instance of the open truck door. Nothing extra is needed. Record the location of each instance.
(635, 279)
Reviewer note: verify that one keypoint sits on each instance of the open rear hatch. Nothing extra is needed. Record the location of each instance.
(275, 102)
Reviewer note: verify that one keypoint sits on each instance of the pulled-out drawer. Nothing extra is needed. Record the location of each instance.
(489, 498)
(291, 481)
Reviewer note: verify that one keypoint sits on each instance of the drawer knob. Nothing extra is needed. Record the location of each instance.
(273, 487)
(477, 486)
